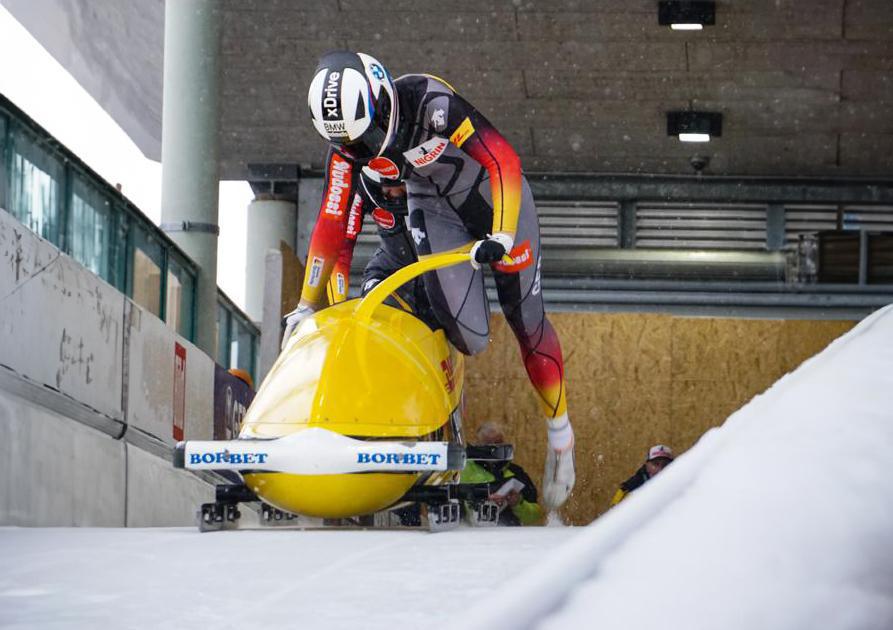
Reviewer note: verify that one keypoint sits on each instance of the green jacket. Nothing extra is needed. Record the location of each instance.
(527, 511)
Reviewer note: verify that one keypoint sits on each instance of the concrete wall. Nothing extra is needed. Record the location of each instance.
(150, 397)
(60, 325)
(56, 472)
(87, 378)
(635, 380)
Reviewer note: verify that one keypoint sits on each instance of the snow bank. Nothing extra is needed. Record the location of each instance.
(781, 518)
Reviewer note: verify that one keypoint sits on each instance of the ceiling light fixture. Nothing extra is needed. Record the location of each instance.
(686, 15)
(691, 126)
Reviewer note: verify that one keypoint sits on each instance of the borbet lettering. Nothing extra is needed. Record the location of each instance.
(330, 101)
(338, 182)
(225, 457)
(399, 459)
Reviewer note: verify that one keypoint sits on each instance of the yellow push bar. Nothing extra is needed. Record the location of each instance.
(400, 277)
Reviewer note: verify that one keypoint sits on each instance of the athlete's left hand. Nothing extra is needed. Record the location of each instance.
(490, 250)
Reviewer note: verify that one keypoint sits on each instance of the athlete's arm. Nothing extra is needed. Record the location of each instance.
(339, 281)
(468, 130)
(330, 230)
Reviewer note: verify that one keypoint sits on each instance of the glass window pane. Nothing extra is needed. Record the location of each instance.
(4, 173)
(90, 228)
(147, 263)
(180, 289)
(223, 335)
(245, 358)
(36, 187)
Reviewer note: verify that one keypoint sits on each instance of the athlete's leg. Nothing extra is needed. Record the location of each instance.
(456, 293)
(520, 295)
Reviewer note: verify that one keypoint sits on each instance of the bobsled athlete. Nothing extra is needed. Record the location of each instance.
(466, 193)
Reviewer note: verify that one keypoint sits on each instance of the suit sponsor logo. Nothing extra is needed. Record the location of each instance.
(463, 132)
(522, 258)
(340, 283)
(330, 96)
(418, 235)
(384, 218)
(355, 217)
(537, 279)
(339, 182)
(427, 152)
(315, 271)
(385, 167)
(438, 119)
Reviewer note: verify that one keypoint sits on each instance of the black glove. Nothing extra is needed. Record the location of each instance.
(489, 251)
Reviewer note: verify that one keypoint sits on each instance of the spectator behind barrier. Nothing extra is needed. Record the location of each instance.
(659, 457)
(518, 506)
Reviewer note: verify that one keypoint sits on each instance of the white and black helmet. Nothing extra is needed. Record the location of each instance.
(353, 103)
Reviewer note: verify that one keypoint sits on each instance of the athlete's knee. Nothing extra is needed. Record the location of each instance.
(468, 343)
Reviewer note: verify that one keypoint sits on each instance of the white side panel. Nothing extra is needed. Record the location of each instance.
(60, 325)
(55, 472)
(151, 395)
(158, 495)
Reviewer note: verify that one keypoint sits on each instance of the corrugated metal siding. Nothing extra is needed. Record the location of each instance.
(578, 223)
(701, 226)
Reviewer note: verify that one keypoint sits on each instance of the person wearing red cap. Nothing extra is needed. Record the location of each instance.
(659, 457)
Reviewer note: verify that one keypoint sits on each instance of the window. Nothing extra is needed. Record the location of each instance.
(35, 192)
(148, 261)
(90, 227)
(223, 335)
(4, 163)
(180, 292)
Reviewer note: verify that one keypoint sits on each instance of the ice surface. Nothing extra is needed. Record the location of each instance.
(179, 578)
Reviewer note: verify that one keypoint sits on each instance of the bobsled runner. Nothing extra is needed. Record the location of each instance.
(362, 412)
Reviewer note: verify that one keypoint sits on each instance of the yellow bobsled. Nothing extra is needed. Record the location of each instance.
(362, 410)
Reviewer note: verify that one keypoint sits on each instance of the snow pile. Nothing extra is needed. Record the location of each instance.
(782, 518)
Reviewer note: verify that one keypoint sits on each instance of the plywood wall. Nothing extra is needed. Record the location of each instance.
(635, 380)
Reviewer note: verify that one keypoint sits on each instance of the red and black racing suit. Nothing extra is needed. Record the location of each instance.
(463, 182)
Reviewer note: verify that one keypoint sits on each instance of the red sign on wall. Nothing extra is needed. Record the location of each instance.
(179, 391)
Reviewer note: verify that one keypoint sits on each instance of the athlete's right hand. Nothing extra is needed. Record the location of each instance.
(490, 250)
(293, 319)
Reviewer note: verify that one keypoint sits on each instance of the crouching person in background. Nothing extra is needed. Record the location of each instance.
(514, 490)
(658, 458)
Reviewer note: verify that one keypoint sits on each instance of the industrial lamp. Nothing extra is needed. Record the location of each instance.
(686, 15)
(694, 126)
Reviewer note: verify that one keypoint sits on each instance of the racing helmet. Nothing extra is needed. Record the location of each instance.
(353, 104)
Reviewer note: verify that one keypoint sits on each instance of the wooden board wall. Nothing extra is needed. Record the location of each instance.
(635, 380)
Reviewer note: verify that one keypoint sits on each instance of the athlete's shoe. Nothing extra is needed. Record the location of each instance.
(559, 478)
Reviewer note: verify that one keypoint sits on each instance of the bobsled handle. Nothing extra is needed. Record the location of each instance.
(390, 284)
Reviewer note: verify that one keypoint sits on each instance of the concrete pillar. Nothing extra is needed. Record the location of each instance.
(189, 148)
(269, 221)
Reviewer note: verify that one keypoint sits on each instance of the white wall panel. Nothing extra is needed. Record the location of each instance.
(151, 399)
(60, 325)
(56, 472)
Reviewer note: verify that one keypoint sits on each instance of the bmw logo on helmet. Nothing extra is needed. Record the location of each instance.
(352, 104)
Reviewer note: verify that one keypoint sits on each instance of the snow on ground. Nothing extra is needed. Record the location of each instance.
(179, 578)
(780, 519)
